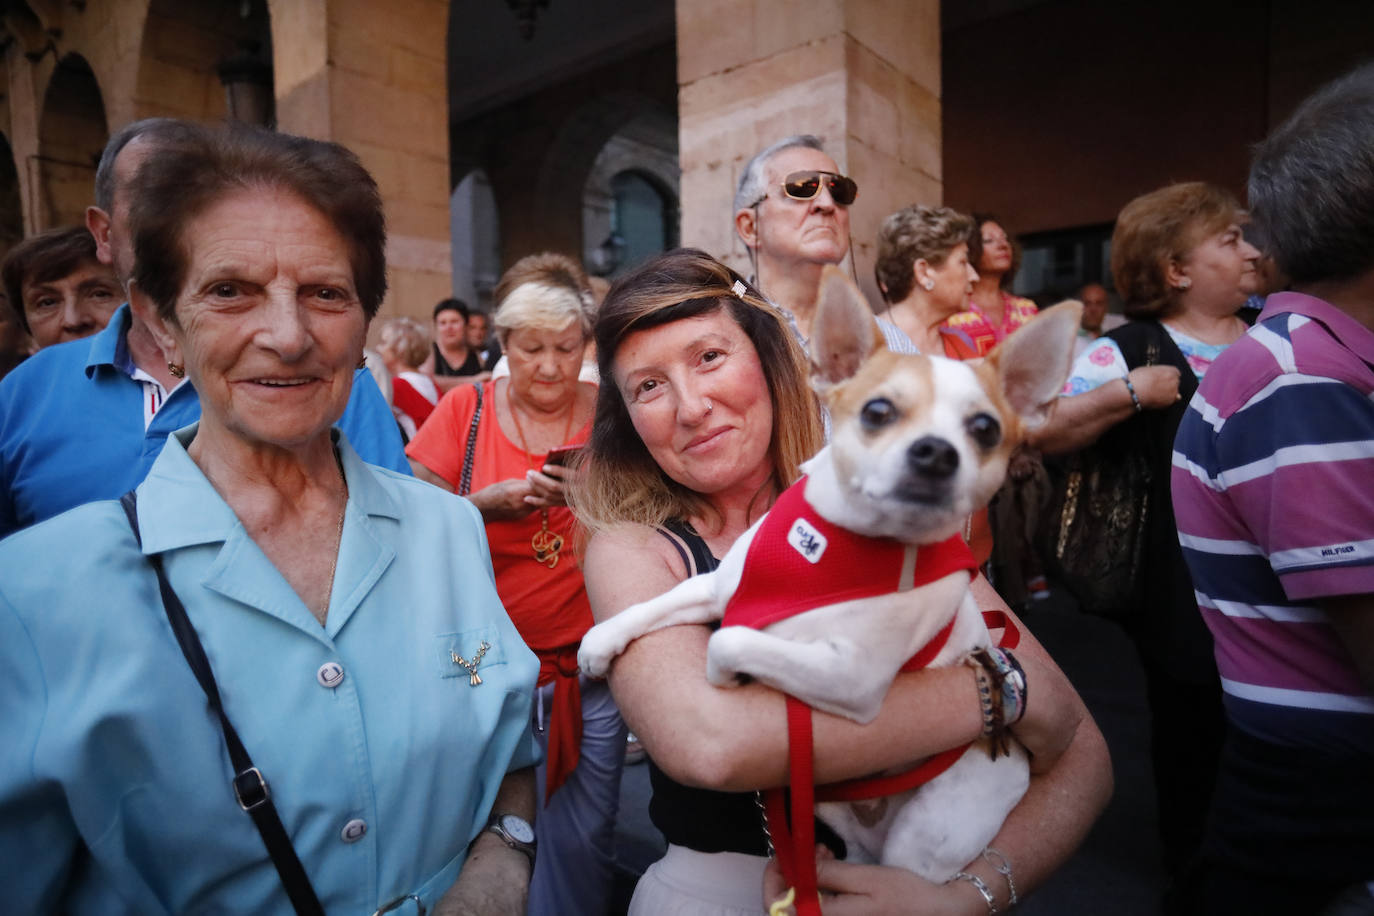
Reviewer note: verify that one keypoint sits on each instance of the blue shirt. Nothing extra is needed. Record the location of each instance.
(71, 427)
(107, 743)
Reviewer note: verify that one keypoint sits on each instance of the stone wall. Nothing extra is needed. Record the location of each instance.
(864, 75)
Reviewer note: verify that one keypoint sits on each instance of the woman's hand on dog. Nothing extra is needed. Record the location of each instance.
(873, 890)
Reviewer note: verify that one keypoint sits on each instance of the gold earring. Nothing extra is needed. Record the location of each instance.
(177, 371)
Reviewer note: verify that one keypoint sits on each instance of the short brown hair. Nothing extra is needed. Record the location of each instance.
(912, 234)
(623, 484)
(174, 186)
(45, 257)
(1156, 229)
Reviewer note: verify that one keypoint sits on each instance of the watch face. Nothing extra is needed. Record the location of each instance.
(518, 828)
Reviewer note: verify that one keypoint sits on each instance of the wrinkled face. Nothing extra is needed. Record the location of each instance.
(697, 396)
(1094, 299)
(790, 231)
(477, 329)
(269, 325)
(954, 280)
(1221, 269)
(544, 364)
(450, 329)
(919, 443)
(997, 254)
(73, 306)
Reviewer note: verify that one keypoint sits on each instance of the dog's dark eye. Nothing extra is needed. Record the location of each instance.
(877, 413)
(985, 430)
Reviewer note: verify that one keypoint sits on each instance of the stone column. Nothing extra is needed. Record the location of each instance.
(864, 75)
(372, 77)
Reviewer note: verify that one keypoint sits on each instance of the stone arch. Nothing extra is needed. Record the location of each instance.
(570, 158)
(207, 61)
(644, 149)
(72, 131)
(11, 208)
(475, 232)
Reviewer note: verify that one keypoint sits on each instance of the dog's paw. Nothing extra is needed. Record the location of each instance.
(722, 660)
(599, 648)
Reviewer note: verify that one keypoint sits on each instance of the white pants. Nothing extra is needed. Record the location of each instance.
(689, 883)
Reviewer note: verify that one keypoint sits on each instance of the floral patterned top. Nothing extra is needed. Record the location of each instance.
(975, 324)
(1103, 362)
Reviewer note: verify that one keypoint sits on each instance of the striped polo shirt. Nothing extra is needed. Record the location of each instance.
(1273, 489)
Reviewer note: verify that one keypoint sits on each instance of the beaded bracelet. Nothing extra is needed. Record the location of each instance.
(1000, 678)
(1002, 865)
(981, 886)
(1134, 398)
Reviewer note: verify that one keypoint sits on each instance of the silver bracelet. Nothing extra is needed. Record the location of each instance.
(1002, 864)
(981, 886)
(1131, 388)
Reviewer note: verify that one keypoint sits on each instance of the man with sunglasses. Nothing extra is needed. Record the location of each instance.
(792, 213)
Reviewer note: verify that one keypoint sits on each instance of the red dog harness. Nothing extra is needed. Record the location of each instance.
(799, 561)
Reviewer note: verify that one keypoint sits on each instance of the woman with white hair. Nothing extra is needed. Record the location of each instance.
(501, 444)
(404, 346)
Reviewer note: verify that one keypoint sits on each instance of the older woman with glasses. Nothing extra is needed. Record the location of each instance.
(276, 677)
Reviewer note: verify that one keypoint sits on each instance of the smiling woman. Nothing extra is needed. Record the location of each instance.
(259, 265)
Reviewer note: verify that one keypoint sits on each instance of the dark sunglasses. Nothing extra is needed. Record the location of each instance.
(806, 185)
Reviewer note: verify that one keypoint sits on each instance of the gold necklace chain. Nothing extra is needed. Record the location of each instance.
(545, 543)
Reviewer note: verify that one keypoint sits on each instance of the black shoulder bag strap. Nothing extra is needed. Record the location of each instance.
(465, 481)
(250, 787)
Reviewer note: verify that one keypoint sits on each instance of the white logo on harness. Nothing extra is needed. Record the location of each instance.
(806, 540)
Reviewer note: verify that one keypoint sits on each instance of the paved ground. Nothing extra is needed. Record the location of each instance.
(1117, 870)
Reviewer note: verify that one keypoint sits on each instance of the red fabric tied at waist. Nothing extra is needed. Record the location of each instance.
(559, 666)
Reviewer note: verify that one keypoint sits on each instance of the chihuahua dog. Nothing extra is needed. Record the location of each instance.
(918, 443)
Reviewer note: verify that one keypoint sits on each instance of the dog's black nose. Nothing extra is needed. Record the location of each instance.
(932, 457)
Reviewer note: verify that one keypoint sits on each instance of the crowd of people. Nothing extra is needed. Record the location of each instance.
(281, 633)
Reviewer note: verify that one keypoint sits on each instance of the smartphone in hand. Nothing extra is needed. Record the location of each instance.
(563, 454)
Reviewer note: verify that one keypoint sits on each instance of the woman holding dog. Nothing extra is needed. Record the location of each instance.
(1183, 270)
(496, 443)
(702, 420)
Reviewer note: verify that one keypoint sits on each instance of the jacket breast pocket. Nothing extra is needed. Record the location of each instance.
(469, 653)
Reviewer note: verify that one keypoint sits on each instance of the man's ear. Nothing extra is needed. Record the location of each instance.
(1032, 364)
(98, 222)
(844, 332)
(746, 227)
(145, 311)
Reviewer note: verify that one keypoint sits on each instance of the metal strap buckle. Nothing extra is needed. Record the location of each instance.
(400, 902)
(250, 788)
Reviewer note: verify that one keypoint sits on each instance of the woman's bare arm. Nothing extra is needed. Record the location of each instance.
(1079, 420)
(736, 739)
(502, 501)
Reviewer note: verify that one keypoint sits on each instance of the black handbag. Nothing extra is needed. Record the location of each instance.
(250, 787)
(1095, 530)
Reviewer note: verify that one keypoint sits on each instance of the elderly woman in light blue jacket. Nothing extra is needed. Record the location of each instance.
(349, 625)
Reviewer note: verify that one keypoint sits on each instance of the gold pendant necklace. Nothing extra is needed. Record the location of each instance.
(546, 543)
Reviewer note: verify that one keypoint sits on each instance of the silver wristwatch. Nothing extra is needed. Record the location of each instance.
(515, 832)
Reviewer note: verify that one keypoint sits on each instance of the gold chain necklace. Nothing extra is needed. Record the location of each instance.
(546, 544)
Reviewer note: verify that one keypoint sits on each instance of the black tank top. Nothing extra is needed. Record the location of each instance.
(702, 819)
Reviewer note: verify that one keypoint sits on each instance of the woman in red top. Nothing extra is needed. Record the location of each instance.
(496, 443)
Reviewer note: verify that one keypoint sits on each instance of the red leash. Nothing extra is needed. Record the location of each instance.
(795, 846)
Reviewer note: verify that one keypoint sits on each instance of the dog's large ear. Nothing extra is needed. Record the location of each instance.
(844, 332)
(1032, 364)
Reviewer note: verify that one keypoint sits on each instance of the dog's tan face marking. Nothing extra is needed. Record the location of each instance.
(923, 438)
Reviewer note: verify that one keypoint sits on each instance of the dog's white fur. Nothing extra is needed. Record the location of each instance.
(842, 658)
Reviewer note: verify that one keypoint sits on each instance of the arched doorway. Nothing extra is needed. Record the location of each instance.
(11, 209)
(475, 230)
(71, 135)
(630, 198)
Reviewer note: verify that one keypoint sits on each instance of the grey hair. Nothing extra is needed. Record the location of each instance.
(158, 128)
(751, 180)
(1311, 185)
